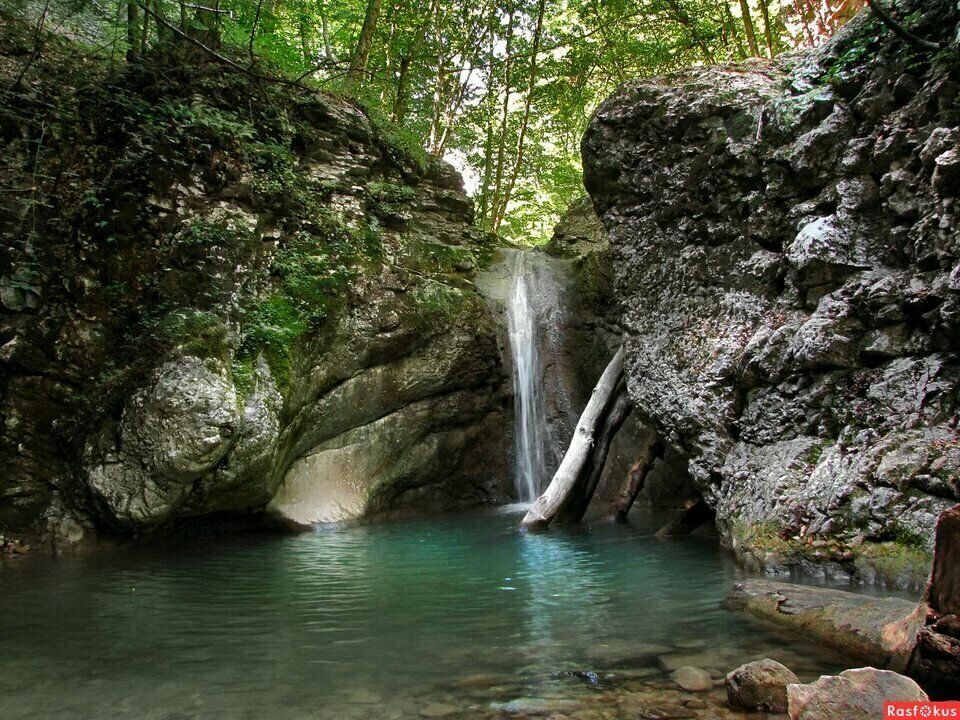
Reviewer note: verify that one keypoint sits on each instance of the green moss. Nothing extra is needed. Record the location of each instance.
(815, 453)
(272, 328)
(895, 563)
(193, 332)
(391, 193)
(242, 373)
(387, 200)
(766, 537)
(205, 233)
(437, 258)
(402, 143)
(594, 275)
(437, 305)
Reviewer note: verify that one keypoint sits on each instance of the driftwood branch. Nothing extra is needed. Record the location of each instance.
(575, 471)
(900, 31)
(573, 510)
(634, 482)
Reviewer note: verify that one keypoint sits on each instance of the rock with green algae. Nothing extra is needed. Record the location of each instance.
(879, 630)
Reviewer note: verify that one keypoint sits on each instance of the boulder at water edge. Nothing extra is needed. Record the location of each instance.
(760, 685)
(852, 695)
(692, 679)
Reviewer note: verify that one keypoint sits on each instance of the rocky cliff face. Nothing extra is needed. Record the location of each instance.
(219, 297)
(786, 249)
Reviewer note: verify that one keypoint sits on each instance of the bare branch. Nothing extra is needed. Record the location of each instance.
(901, 32)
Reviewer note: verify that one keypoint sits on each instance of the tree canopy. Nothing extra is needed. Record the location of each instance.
(503, 88)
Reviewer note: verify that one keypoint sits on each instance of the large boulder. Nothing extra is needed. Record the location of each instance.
(784, 252)
(760, 685)
(852, 695)
(282, 309)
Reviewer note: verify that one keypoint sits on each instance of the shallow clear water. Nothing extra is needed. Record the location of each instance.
(377, 621)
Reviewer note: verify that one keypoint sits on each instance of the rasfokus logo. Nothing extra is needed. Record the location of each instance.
(922, 710)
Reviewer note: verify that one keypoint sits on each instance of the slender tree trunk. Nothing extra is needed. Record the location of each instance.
(361, 56)
(767, 29)
(566, 492)
(489, 104)
(684, 19)
(731, 22)
(388, 53)
(501, 211)
(401, 97)
(436, 106)
(634, 482)
(325, 30)
(748, 28)
(504, 123)
(133, 34)
(144, 33)
(815, 14)
(305, 49)
(454, 109)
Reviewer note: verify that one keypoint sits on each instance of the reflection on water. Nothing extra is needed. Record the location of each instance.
(374, 621)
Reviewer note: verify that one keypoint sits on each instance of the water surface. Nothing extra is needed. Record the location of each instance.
(379, 621)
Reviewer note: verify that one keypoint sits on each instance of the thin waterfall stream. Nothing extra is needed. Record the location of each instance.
(529, 416)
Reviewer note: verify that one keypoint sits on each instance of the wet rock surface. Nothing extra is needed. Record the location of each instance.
(879, 630)
(854, 694)
(784, 248)
(238, 314)
(760, 685)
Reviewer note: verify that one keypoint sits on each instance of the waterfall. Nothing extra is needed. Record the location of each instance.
(529, 420)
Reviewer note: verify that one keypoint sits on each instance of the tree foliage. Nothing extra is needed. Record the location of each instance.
(504, 88)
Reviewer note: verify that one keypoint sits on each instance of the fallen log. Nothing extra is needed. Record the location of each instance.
(572, 511)
(633, 484)
(567, 492)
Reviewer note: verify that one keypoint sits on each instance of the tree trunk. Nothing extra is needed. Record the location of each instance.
(748, 28)
(936, 659)
(402, 93)
(504, 123)
(767, 29)
(576, 505)
(633, 484)
(361, 56)
(133, 35)
(567, 490)
(684, 19)
(501, 211)
(325, 32)
(486, 188)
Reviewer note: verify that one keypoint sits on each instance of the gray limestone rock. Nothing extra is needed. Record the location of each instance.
(785, 272)
(760, 685)
(853, 695)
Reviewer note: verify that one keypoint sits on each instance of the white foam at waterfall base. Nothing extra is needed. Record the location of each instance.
(529, 420)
